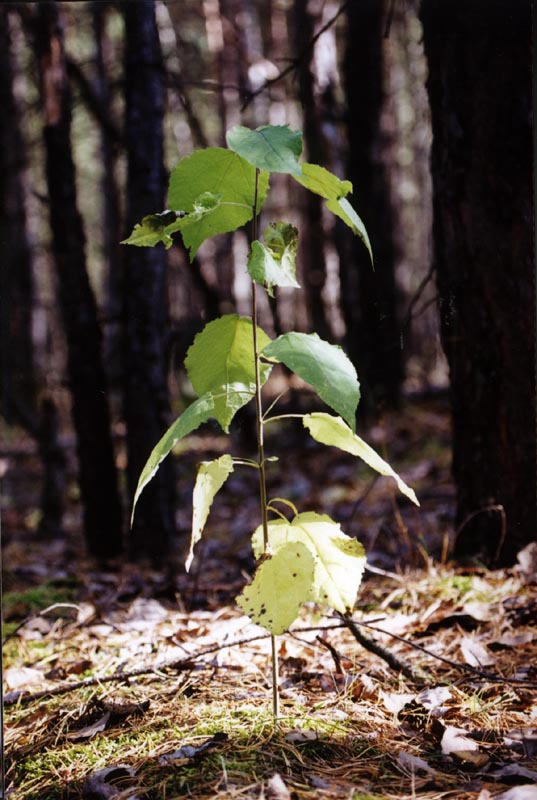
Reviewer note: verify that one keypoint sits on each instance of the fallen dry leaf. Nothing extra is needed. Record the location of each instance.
(475, 654)
(276, 789)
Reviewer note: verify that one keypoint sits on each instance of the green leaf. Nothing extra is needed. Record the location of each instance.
(273, 263)
(222, 361)
(280, 585)
(152, 230)
(339, 560)
(218, 172)
(199, 412)
(325, 366)
(320, 181)
(157, 228)
(333, 431)
(275, 148)
(210, 478)
(343, 209)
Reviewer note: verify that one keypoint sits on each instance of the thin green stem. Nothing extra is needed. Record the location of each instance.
(261, 454)
(283, 416)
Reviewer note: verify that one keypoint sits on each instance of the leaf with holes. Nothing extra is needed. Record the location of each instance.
(339, 560)
(210, 478)
(272, 262)
(281, 584)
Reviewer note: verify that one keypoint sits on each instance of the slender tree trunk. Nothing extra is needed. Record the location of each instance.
(480, 94)
(111, 208)
(18, 392)
(98, 485)
(312, 238)
(145, 286)
(369, 298)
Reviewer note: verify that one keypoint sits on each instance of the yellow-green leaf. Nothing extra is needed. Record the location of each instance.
(339, 560)
(280, 586)
(333, 431)
(210, 478)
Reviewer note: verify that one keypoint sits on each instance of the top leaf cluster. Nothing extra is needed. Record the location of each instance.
(214, 191)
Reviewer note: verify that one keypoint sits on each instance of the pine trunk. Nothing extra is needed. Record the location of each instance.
(98, 483)
(145, 284)
(480, 94)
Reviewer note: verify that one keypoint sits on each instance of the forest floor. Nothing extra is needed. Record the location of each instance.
(132, 682)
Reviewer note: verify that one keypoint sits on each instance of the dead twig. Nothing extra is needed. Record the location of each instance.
(171, 663)
(393, 661)
(489, 676)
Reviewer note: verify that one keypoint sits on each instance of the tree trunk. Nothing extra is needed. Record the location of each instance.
(480, 93)
(111, 214)
(312, 240)
(145, 287)
(18, 392)
(369, 297)
(98, 486)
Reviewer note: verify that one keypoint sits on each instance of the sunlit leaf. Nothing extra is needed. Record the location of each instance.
(272, 262)
(218, 172)
(196, 414)
(320, 181)
(210, 478)
(333, 431)
(280, 585)
(324, 366)
(339, 560)
(222, 361)
(275, 148)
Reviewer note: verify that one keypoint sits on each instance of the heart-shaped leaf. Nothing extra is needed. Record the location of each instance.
(222, 361)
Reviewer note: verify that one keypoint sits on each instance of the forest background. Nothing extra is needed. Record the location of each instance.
(420, 107)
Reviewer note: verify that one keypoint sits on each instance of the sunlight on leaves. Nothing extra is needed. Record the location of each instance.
(324, 366)
(275, 148)
(222, 361)
(280, 586)
(339, 560)
(333, 431)
(322, 182)
(210, 478)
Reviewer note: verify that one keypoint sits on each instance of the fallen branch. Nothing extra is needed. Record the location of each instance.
(21, 697)
(481, 673)
(393, 661)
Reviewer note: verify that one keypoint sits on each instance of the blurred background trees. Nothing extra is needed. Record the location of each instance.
(100, 100)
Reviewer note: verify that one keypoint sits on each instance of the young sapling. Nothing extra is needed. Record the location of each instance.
(217, 190)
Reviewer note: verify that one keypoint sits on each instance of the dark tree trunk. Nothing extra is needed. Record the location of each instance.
(98, 484)
(145, 286)
(480, 93)
(18, 392)
(111, 208)
(312, 239)
(369, 298)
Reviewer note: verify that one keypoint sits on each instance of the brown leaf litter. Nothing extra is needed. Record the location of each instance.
(173, 703)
